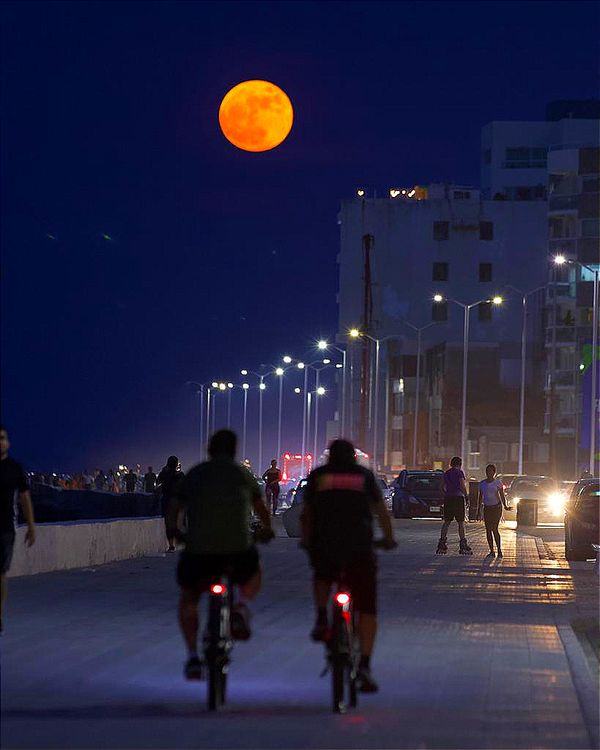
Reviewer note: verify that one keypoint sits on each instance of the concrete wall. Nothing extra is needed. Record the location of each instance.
(79, 544)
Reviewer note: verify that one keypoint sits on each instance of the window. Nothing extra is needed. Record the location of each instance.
(487, 156)
(441, 230)
(525, 157)
(485, 311)
(485, 272)
(486, 230)
(591, 185)
(498, 452)
(525, 193)
(439, 272)
(590, 228)
(439, 312)
(461, 195)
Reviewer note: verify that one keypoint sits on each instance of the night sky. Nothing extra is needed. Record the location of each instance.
(141, 250)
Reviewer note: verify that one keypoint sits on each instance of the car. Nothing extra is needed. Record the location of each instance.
(508, 479)
(418, 494)
(291, 517)
(582, 528)
(547, 492)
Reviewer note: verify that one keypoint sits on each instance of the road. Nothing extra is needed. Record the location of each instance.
(472, 653)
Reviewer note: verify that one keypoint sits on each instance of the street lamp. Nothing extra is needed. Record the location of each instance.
(496, 300)
(560, 260)
(418, 386)
(201, 388)
(524, 297)
(323, 345)
(261, 389)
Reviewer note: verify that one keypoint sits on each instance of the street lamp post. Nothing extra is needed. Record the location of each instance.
(324, 345)
(245, 387)
(560, 260)
(467, 309)
(417, 388)
(201, 387)
(261, 387)
(524, 297)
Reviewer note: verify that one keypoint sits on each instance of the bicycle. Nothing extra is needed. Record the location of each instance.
(343, 652)
(218, 641)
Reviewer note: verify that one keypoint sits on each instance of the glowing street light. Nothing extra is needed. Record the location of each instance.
(354, 333)
(297, 390)
(215, 384)
(559, 260)
(301, 365)
(262, 386)
(326, 361)
(244, 372)
(495, 300)
(321, 391)
(287, 359)
(322, 344)
(279, 371)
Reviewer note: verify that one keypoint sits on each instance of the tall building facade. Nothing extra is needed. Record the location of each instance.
(574, 234)
(467, 245)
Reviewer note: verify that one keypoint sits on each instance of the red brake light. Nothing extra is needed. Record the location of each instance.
(218, 588)
(342, 598)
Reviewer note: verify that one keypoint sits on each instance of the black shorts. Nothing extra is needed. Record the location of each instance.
(454, 507)
(492, 515)
(198, 572)
(360, 574)
(7, 545)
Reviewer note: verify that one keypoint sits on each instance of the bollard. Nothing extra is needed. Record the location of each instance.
(527, 512)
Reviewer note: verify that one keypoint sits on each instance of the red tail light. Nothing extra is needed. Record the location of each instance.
(218, 588)
(342, 598)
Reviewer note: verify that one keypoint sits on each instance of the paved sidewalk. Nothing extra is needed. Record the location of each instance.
(473, 653)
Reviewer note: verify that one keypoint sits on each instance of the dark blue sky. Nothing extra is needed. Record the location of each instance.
(220, 259)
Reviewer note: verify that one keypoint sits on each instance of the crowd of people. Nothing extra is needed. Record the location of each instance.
(116, 480)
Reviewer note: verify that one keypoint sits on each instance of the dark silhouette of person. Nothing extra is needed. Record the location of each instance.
(168, 481)
(130, 480)
(149, 480)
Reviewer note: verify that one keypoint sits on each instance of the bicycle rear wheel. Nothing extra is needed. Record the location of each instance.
(216, 687)
(338, 668)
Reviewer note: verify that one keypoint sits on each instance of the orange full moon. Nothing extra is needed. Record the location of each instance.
(256, 115)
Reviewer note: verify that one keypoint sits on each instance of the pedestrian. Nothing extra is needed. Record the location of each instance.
(491, 497)
(455, 497)
(272, 477)
(149, 480)
(130, 480)
(100, 480)
(13, 480)
(168, 481)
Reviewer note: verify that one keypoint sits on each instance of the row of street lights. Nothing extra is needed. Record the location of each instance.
(318, 365)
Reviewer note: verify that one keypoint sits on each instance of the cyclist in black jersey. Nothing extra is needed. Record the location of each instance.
(340, 501)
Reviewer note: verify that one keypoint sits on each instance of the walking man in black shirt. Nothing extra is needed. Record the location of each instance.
(168, 481)
(272, 477)
(340, 501)
(130, 481)
(12, 480)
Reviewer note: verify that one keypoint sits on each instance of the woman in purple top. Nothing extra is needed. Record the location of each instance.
(455, 497)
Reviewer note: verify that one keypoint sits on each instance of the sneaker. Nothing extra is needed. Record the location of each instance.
(366, 683)
(193, 669)
(171, 549)
(240, 622)
(320, 630)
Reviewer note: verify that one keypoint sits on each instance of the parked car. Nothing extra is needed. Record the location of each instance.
(418, 494)
(508, 479)
(291, 517)
(582, 528)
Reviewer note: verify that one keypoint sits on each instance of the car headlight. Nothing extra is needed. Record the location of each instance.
(557, 501)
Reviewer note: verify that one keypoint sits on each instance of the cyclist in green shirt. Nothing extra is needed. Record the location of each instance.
(218, 498)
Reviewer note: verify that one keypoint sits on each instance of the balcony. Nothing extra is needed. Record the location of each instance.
(564, 335)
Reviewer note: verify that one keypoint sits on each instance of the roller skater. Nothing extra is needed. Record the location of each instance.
(455, 495)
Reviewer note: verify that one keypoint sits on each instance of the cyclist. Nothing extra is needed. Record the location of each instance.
(218, 497)
(272, 477)
(339, 502)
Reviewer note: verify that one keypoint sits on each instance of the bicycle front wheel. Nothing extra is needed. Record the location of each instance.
(338, 668)
(216, 687)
